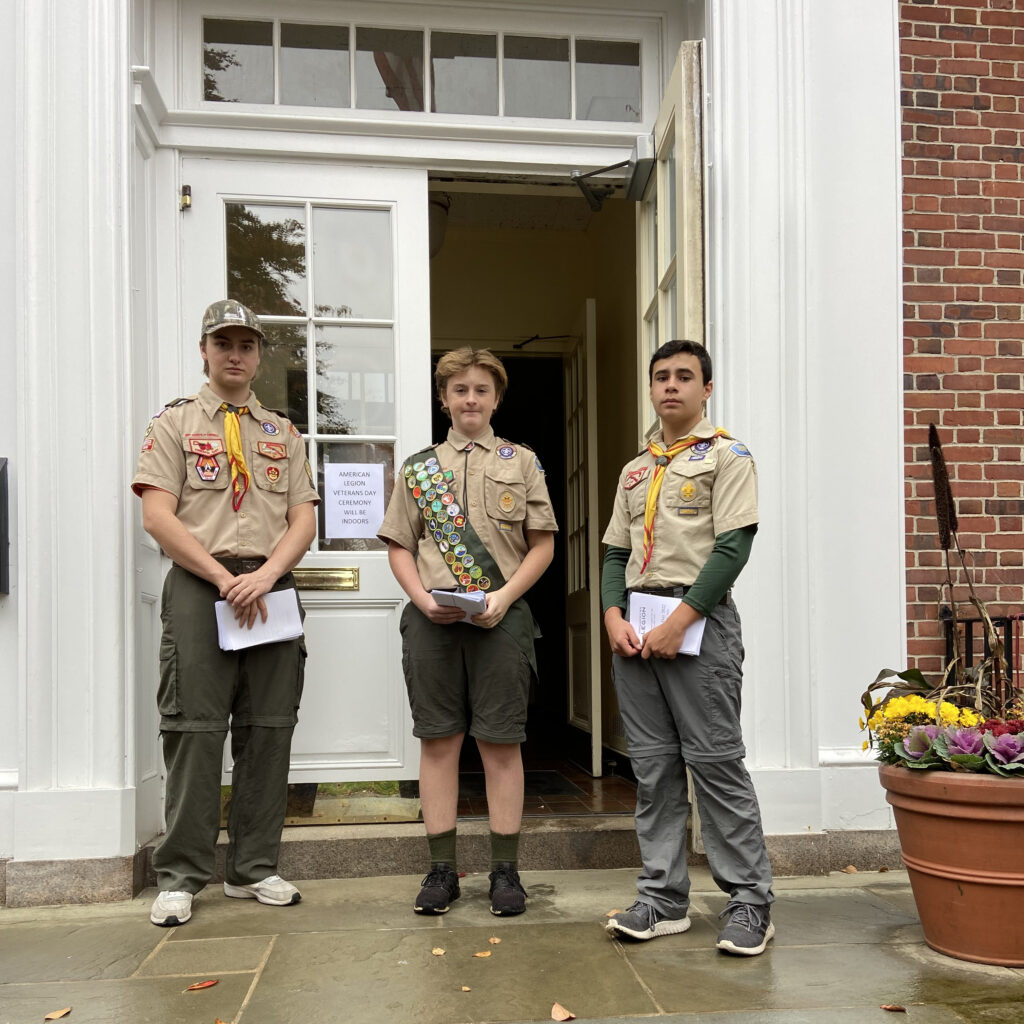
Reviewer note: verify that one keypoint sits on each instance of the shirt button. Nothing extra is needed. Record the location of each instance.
(243, 515)
(244, 544)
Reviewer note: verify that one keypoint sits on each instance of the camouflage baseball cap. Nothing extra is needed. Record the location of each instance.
(229, 313)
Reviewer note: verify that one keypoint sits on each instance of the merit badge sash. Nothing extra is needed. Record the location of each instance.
(471, 564)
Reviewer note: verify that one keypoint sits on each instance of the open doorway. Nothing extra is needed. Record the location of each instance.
(514, 271)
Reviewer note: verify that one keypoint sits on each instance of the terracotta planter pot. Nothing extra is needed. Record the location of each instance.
(962, 839)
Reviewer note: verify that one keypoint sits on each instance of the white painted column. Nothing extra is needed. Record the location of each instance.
(74, 797)
(804, 304)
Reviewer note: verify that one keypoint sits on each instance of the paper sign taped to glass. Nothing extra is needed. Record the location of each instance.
(648, 610)
(283, 622)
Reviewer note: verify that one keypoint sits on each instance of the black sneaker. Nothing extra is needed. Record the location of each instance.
(642, 921)
(748, 931)
(440, 888)
(508, 897)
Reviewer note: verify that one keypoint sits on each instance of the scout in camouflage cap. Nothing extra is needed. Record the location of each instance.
(227, 492)
(230, 313)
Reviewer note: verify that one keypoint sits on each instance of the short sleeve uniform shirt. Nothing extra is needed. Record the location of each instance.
(185, 453)
(707, 490)
(497, 486)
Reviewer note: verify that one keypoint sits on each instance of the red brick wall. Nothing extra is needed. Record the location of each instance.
(962, 70)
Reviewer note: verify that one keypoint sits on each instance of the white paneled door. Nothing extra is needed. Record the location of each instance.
(334, 260)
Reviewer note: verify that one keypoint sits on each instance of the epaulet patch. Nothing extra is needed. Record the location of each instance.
(180, 401)
(276, 412)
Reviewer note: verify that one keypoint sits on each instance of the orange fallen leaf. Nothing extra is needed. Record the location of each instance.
(466, 988)
(202, 984)
(437, 951)
(559, 1012)
(849, 870)
(612, 913)
(57, 1014)
(494, 940)
(893, 1007)
(486, 952)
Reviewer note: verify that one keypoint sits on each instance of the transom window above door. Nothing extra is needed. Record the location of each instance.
(357, 66)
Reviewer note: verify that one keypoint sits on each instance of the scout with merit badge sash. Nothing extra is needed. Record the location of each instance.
(447, 524)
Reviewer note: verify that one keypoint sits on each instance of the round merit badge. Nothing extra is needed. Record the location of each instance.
(507, 502)
(506, 451)
(273, 474)
(268, 427)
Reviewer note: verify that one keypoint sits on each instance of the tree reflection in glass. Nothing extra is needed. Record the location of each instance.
(266, 250)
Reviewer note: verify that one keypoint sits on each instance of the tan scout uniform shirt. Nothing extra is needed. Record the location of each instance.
(707, 490)
(501, 488)
(185, 453)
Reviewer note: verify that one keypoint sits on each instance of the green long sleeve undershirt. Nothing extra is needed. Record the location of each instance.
(727, 558)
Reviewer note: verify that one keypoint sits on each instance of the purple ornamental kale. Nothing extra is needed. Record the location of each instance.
(919, 740)
(1007, 749)
(965, 741)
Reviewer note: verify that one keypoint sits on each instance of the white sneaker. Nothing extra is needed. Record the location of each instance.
(274, 891)
(171, 908)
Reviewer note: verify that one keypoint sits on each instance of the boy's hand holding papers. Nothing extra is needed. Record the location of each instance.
(646, 611)
(282, 623)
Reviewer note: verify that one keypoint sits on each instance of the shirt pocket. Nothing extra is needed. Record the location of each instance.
(269, 465)
(206, 463)
(692, 484)
(505, 498)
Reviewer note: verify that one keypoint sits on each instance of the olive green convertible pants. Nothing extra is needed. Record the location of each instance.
(202, 689)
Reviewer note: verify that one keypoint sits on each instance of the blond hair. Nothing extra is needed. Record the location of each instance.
(459, 360)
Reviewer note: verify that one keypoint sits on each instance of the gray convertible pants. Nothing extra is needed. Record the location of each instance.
(685, 713)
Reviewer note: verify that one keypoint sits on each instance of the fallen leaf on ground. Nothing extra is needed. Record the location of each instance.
(893, 1007)
(612, 913)
(486, 952)
(849, 870)
(466, 988)
(883, 868)
(57, 1014)
(494, 940)
(437, 951)
(202, 984)
(559, 1012)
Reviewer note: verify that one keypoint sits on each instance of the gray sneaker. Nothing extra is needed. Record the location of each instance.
(642, 921)
(748, 931)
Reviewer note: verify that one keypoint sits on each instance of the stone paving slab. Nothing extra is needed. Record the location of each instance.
(353, 952)
(111, 947)
(393, 975)
(127, 1001)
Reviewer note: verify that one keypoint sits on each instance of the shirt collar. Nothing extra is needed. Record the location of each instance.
(210, 402)
(458, 442)
(704, 429)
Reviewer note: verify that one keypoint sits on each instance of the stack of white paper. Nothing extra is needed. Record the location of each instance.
(648, 610)
(283, 622)
(471, 603)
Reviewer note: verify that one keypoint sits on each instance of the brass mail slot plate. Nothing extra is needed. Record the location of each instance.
(326, 579)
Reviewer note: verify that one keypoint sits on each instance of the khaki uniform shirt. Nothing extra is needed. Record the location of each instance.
(707, 490)
(499, 486)
(185, 453)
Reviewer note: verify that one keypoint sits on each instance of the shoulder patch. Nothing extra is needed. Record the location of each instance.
(739, 448)
(506, 451)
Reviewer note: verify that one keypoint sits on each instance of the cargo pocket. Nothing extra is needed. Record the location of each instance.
(167, 701)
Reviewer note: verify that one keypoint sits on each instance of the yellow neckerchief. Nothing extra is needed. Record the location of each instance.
(233, 438)
(662, 457)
